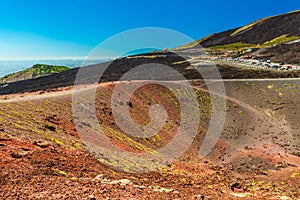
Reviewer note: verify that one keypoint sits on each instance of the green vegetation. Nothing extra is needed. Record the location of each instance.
(281, 39)
(239, 46)
(288, 84)
(115, 134)
(193, 44)
(24, 120)
(233, 46)
(141, 56)
(248, 27)
(60, 172)
(294, 11)
(52, 139)
(73, 179)
(35, 71)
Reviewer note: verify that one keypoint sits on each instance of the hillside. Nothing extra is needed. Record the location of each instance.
(289, 53)
(61, 142)
(268, 31)
(256, 157)
(35, 71)
(120, 66)
(277, 37)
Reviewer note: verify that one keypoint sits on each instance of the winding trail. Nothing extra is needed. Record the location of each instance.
(69, 90)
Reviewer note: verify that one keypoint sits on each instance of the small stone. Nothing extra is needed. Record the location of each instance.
(3, 139)
(50, 128)
(42, 144)
(121, 182)
(92, 197)
(235, 186)
(98, 177)
(18, 154)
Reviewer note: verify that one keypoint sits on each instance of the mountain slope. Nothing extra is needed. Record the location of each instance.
(35, 71)
(276, 38)
(119, 67)
(264, 32)
(289, 53)
(259, 32)
(255, 155)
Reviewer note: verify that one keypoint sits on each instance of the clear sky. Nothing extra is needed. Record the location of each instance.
(31, 29)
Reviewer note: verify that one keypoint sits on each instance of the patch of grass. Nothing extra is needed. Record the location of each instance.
(35, 71)
(228, 109)
(73, 179)
(193, 44)
(54, 140)
(157, 137)
(180, 62)
(124, 162)
(281, 39)
(233, 46)
(77, 145)
(35, 131)
(292, 91)
(124, 138)
(295, 174)
(248, 27)
(143, 56)
(60, 172)
(294, 11)
(289, 85)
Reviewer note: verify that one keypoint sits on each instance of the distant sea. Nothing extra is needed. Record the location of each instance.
(12, 66)
(8, 67)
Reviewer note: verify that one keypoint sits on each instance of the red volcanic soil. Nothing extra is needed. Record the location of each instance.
(256, 156)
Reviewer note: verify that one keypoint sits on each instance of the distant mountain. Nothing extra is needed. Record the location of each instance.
(140, 51)
(282, 31)
(268, 31)
(35, 71)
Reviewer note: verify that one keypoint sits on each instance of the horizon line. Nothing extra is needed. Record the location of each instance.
(54, 58)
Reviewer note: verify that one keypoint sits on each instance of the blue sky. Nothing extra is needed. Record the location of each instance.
(31, 29)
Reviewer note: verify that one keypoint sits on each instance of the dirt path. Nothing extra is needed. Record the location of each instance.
(69, 90)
